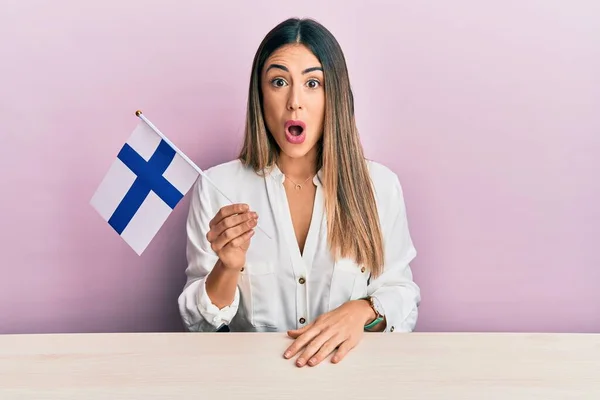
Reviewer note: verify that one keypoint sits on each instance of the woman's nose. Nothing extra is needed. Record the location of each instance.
(294, 100)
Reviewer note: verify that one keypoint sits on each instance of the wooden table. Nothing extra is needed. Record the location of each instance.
(250, 366)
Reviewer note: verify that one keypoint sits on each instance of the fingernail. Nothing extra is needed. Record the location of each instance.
(287, 354)
(300, 362)
(312, 361)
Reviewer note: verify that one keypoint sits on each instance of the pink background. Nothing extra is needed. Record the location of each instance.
(488, 111)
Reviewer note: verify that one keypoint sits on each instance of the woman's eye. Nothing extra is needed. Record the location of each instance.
(278, 82)
(313, 83)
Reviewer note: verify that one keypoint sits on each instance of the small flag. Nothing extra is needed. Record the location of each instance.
(147, 180)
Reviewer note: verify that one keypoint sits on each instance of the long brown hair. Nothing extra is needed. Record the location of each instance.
(352, 217)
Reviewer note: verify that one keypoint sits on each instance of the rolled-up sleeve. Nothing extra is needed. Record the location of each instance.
(197, 311)
(398, 294)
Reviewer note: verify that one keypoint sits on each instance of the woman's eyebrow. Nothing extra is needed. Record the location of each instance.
(284, 68)
(307, 70)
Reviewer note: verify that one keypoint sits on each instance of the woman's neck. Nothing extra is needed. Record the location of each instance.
(298, 169)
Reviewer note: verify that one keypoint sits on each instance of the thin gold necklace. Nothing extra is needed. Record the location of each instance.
(298, 186)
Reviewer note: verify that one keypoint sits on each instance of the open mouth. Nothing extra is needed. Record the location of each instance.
(295, 131)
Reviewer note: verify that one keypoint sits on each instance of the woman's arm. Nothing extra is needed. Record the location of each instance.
(395, 289)
(200, 307)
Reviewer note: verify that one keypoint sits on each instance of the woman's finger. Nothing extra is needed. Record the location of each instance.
(314, 346)
(297, 332)
(302, 341)
(227, 223)
(232, 233)
(326, 349)
(227, 211)
(241, 240)
(342, 351)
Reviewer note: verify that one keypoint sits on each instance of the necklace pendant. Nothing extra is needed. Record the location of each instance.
(298, 187)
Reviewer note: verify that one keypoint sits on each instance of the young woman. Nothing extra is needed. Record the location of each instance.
(336, 263)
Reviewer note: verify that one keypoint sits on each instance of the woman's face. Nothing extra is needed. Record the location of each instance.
(294, 99)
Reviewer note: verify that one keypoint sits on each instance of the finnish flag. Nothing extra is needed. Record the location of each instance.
(146, 181)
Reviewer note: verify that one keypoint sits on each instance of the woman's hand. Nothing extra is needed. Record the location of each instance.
(230, 233)
(340, 329)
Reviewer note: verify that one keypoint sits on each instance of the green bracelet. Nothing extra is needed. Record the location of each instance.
(372, 324)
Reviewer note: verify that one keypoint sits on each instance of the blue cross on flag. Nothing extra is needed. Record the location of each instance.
(143, 185)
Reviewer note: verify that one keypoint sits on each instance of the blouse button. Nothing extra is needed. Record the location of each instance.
(392, 329)
(362, 269)
(302, 320)
(242, 270)
(302, 281)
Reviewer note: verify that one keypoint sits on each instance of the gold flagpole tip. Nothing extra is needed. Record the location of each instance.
(138, 113)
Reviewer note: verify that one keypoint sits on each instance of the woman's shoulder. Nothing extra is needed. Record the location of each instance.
(231, 177)
(228, 169)
(387, 189)
(384, 179)
(233, 172)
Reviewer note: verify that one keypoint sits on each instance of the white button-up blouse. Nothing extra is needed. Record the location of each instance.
(280, 288)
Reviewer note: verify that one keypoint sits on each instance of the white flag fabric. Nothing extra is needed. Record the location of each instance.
(142, 187)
